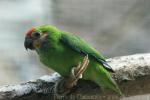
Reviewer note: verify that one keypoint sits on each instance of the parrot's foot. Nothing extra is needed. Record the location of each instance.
(65, 85)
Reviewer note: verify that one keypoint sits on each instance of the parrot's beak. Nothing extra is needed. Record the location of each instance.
(28, 43)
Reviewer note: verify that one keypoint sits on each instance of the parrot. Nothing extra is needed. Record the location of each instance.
(61, 50)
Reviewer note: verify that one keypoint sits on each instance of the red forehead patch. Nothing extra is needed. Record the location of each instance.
(30, 31)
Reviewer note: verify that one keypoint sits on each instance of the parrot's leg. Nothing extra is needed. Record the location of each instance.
(76, 72)
(65, 85)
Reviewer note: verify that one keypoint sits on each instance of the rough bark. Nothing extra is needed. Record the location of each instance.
(132, 75)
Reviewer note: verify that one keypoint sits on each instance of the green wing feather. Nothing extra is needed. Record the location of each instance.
(80, 46)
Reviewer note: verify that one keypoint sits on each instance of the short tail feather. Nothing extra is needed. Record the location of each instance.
(104, 79)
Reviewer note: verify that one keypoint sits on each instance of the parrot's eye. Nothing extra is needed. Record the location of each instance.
(35, 35)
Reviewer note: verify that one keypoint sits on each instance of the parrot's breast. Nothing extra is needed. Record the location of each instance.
(60, 59)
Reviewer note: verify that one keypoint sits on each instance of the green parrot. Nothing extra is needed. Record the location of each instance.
(62, 50)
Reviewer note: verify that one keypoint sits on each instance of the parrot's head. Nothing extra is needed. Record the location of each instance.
(36, 36)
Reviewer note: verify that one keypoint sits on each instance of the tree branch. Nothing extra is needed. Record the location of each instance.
(132, 75)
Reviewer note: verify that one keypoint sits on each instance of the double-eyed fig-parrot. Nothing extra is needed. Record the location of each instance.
(62, 50)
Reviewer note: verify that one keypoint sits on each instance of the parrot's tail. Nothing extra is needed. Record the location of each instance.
(104, 79)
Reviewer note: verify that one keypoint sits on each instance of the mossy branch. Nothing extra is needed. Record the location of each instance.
(132, 75)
